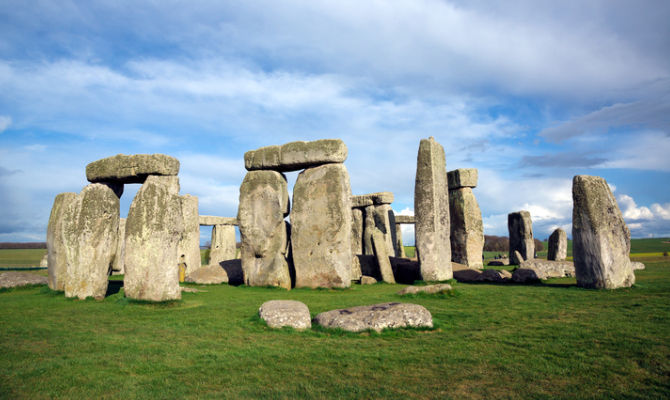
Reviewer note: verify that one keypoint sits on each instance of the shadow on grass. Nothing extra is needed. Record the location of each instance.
(113, 287)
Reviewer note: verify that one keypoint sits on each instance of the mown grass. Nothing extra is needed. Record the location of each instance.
(21, 258)
(551, 340)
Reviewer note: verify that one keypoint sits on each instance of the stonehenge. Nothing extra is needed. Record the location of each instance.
(431, 210)
(558, 245)
(467, 228)
(601, 239)
(521, 239)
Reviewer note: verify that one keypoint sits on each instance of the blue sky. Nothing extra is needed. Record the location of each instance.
(529, 92)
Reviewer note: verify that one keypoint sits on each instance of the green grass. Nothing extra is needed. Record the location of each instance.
(21, 258)
(551, 340)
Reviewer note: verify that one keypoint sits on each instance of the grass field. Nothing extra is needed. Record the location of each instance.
(551, 340)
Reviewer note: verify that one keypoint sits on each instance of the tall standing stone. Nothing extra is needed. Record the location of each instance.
(356, 231)
(431, 209)
(262, 208)
(223, 244)
(153, 231)
(600, 237)
(189, 245)
(117, 265)
(558, 245)
(398, 241)
(90, 228)
(385, 222)
(321, 227)
(467, 228)
(520, 229)
(56, 255)
(368, 229)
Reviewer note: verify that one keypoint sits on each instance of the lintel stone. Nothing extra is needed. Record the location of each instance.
(211, 220)
(295, 156)
(404, 219)
(462, 177)
(135, 168)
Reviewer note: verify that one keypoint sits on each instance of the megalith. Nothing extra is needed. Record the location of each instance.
(189, 245)
(321, 227)
(56, 250)
(117, 265)
(467, 228)
(223, 245)
(558, 245)
(382, 256)
(135, 168)
(295, 156)
(398, 241)
(153, 231)
(90, 229)
(263, 205)
(431, 209)
(520, 229)
(368, 228)
(600, 237)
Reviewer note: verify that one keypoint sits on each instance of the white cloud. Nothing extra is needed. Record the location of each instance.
(630, 209)
(5, 121)
(645, 221)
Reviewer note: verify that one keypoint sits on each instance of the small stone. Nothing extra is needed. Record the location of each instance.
(429, 289)
(520, 229)
(636, 265)
(376, 317)
(558, 245)
(211, 220)
(295, 156)
(281, 313)
(462, 177)
(131, 169)
(368, 280)
(209, 275)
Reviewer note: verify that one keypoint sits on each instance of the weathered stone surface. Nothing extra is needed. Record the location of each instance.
(376, 317)
(44, 262)
(364, 200)
(463, 273)
(153, 230)
(518, 257)
(223, 244)
(499, 263)
(494, 275)
(262, 208)
(381, 253)
(636, 265)
(321, 227)
(56, 251)
(549, 269)
(17, 278)
(431, 208)
(189, 245)
(356, 231)
(429, 289)
(404, 219)
(295, 156)
(280, 313)
(558, 245)
(520, 229)
(118, 263)
(209, 275)
(211, 220)
(462, 178)
(525, 275)
(399, 246)
(385, 223)
(131, 169)
(467, 228)
(368, 228)
(368, 280)
(601, 239)
(90, 226)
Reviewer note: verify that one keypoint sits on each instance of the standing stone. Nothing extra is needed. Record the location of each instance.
(368, 228)
(321, 227)
(56, 255)
(467, 228)
(90, 227)
(356, 242)
(153, 231)
(520, 236)
(384, 221)
(398, 241)
(223, 244)
(431, 209)
(381, 253)
(117, 265)
(189, 245)
(558, 246)
(600, 237)
(262, 208)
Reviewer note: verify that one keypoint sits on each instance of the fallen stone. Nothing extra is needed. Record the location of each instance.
(263, 205)
(131, 169)
(431, 208)
(209, 275)
(467, 228)
(493, 275)
(376, 317)
(189, 245)
(321, 227)
(368, 280)
(153, 230)
(549, 269)
(382, 256)
(56, 248)
(11, 279)
(636, 265)
(601, 239)
(525, 275)
(462, 178)
(520, 229)
(211, 220)
(281, 313)
(558, 245)
(518, 257)
(429, 289)
(499, 263)
(295, 156)
(90, 229)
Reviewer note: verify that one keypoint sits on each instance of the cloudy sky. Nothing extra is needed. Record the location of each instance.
(529, 92)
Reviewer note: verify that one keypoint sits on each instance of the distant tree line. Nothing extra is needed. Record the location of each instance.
(501, 243)
(23, 245)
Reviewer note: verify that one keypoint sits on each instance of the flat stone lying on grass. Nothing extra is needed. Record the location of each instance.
(525, 275)
(17, 278)
(368, 280)
(280, 313)
(210, 275)
(136, 168)
(295, 156)
(376, 317)
(477, 275)
(499, 263)
(549, 269)
(185, 289)
(429, 289)
(636, 265)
